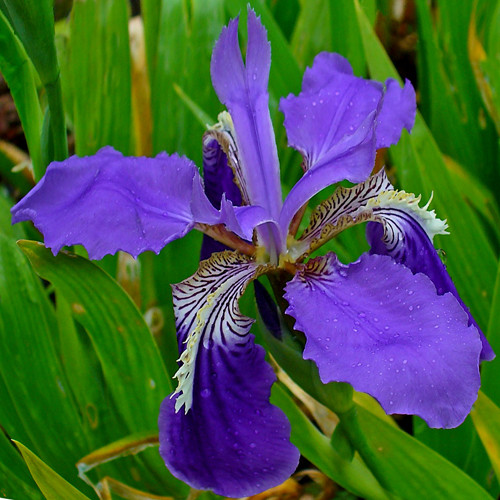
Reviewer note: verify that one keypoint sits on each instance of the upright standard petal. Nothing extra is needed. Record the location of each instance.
(220, 432)
(322, 121)
(108, 202)
(399, 109)
(334, 103)
(379, 327)
(243, 89)
(337, 122)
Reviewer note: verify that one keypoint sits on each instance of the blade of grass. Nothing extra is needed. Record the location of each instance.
(53, 486)
(352, 475)
(33, 22)
(34, 386)
(486, 417)
(20, 76)
(99, 73)
(132, 367)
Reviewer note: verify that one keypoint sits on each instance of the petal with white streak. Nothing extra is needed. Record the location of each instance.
(219, 430)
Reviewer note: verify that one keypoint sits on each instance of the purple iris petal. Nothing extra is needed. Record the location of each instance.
(218, 175)
(232, 440)
(416, 251)
(379, 327)
(108, 202)
(243, 89)
(337, 122)
(221, 432)
(316, 179)
(321, 122)
(398, 112)
(218, 179)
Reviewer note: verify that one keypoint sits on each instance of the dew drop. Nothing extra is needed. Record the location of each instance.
(205, 393)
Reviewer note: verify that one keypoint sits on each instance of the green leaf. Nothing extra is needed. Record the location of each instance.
(312, 31)
(451, 104)
(16, 480)
(413, 470)
(33, 22)
(346, 36)
(98, 73)
(120, 336)
(352, 475)
(491, 371)
(33, 385)
(53, 486)
(179, 37)
(133, 372)
(177, 261)
(486, 417)
(20, 76)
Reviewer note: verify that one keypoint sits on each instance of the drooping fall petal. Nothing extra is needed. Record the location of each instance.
(219, 431)
(384, 330)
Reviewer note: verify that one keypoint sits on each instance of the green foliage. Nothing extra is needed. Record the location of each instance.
(53, 486)
(88, 355)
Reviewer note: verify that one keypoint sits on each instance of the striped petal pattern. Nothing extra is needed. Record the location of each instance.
(219, 431)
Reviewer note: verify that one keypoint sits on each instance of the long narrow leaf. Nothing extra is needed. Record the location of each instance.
(19, 74)
(54, 487)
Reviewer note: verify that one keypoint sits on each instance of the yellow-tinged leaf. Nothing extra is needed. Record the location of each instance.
(52, 485)
(129, 445)
(141, 94)
(486, 418)
(477, 55)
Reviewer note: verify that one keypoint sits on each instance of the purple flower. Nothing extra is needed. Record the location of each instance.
(391, 323)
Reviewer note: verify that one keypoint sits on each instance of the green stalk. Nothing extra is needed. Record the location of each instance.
(57, 120)
(354, 432)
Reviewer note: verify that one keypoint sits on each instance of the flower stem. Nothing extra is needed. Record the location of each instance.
(57, 120)
(354, 432)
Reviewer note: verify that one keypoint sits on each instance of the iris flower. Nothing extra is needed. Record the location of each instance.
(390, 324)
